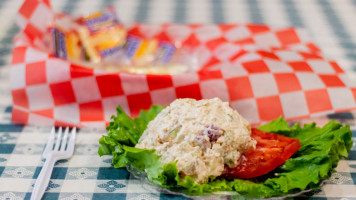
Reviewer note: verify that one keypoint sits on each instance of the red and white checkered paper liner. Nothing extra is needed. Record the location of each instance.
(263, 72)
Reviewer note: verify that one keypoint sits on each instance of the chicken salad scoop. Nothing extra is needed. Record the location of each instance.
(201, 136)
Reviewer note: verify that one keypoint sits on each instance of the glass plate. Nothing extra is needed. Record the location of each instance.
(142, 176)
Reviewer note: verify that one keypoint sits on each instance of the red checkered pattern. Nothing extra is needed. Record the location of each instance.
(33, 17)
(263, 72)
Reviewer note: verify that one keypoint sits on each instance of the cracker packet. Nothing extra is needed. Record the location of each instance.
(66, 43)
(101, 34)
(99, 40)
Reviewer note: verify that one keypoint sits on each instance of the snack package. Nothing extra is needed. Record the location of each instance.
(101, 34)
(99, 40)
(90, 38)
(139, 52)
(149, 56)
(66, 43)
(136, 51)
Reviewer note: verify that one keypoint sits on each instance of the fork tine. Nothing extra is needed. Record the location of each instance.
(74, 132)
(59, 138)
(64, 139)
(50, 141)
(71, 143)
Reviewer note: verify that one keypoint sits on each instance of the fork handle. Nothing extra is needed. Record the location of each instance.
(43, 179)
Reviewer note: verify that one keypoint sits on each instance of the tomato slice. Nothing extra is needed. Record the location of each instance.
(272, 150)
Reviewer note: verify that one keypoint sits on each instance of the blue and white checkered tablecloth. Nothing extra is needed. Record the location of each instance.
(86, 175)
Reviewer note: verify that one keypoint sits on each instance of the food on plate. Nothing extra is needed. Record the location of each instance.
(274, 161)
(202, 136)
(271, 151)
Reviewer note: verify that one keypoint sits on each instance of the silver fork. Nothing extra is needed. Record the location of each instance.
(61, 149)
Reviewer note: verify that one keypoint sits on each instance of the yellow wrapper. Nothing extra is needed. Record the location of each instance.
(145, 52)
(66, 42)
(101, 34)
(97, 43)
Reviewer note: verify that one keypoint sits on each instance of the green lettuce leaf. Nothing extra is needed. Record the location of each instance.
(314, 162)
(124, 132)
